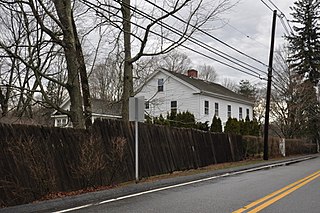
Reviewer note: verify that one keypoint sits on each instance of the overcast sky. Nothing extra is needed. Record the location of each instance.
(248, 30)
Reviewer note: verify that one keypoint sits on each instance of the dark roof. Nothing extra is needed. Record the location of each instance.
(100, 106)
(206, 86)
(105, 107)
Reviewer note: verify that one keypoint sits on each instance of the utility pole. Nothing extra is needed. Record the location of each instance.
(266, 121)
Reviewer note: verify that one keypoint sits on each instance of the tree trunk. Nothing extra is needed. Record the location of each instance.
(4, 104)
(128, 76)
(64, 11)
(84, 80)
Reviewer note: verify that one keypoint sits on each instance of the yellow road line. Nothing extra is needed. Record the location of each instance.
(314, 175)
(275, 199)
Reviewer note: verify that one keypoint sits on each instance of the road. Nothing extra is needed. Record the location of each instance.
(230, 194)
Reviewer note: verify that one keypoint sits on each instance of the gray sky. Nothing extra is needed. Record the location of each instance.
(248, 30)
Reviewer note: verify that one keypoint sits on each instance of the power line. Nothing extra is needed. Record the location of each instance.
(288, 23)
(200, 43)
(266, 5)
(186, 47)
(284, 26)
(275, 6)
(213, 37)
(284, 23)
(247, 36)
(281, 16)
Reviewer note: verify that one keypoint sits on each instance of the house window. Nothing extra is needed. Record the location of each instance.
(62, 122)
(229, 111)
(248, 112)
(59, 121)
(240, 113)
(216, 109)
(174, 107)
(160, 85)
(147, 104)
(206, 107)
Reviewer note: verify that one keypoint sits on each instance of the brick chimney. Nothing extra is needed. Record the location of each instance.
(192, 73)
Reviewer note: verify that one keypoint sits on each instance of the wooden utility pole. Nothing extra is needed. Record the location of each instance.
(266, 122)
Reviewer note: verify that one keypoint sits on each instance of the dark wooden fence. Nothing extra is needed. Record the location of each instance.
(36, 161)
(253, 146)
(164, 149)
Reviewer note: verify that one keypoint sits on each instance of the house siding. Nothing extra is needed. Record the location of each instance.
(160, 102)
(223, 106)
(188, 99)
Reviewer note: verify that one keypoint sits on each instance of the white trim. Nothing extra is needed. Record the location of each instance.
(227, 98)
(106, 115)
(93, 114)
(61, 105)
(59, 116)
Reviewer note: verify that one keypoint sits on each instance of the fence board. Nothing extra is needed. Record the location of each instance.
(162, 150)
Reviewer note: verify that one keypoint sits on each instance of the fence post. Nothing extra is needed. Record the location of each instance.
(282, 146)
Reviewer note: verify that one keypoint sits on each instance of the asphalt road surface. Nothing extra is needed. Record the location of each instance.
(292, 188)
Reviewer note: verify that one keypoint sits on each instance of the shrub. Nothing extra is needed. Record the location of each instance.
(117, 156)
(91, 161)
(232, 126)
(216, 125)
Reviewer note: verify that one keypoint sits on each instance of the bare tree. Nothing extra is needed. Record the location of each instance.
(228, 83)
(15, 77)
(144, 68)
(207, 73)
(48, 27)
(106, 80)
(175, 61)
(292, 99)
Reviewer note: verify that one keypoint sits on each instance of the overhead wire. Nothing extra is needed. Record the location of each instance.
(275, 6)
(284, 26)
(201, 44)
(285, 22)
(282, 15)
(189, 48)
(211, 36)
(266, 5)
(247, 36)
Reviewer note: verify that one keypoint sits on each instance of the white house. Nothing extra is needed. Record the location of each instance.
(167, 91)
(100, 109)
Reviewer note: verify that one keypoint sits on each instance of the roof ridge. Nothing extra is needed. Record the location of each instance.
(197, 79)
(209, 86)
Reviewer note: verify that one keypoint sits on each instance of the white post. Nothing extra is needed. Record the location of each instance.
(136, 114)
(282, 146)
(136, 149)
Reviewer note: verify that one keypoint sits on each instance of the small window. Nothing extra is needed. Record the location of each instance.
(240, 113)
(248, 112)
(147, 104)
(206, 107)
(174, 107)
(160, 85)
(59, 121)
(64, 121)
(216, 109)
(229, 111)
